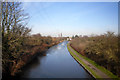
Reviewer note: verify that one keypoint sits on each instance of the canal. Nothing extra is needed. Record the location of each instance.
(55, 63)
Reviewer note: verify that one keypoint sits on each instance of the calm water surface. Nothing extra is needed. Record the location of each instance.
(58, 63)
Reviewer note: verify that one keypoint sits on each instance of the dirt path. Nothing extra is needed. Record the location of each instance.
(96, 70)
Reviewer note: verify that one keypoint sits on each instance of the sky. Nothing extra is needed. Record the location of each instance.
(71, 18)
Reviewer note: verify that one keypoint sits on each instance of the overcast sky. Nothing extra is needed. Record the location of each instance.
(70, 18)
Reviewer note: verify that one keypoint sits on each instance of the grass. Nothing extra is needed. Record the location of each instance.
(93, 63)
(83, 64)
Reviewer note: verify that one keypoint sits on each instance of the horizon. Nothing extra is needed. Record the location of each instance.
(72, 18)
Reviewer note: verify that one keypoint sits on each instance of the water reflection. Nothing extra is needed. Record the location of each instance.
(57, 63)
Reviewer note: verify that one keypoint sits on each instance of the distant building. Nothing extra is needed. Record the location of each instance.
(61, 35)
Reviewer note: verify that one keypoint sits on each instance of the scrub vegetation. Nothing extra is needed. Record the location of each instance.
(102, 49)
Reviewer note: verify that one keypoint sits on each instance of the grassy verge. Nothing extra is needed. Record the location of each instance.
(84, 65)
(93, 63)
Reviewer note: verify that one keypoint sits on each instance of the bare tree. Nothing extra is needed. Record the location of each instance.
(13, 22)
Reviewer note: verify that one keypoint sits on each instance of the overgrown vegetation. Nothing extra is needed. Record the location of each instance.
(102, 49)
(18, 46)
(14, 33)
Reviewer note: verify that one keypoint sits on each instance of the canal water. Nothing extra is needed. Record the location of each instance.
(56, 63)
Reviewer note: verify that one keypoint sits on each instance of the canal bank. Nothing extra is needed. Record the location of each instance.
(17, 65)
(56, 63)
(90, 66)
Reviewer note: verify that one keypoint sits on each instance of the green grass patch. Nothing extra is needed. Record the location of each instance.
(111, 75)
(86, 67)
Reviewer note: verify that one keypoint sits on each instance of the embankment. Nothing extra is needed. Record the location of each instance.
(94, 69)
(23, 60)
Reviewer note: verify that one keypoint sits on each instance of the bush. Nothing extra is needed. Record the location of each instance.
(103, 49)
